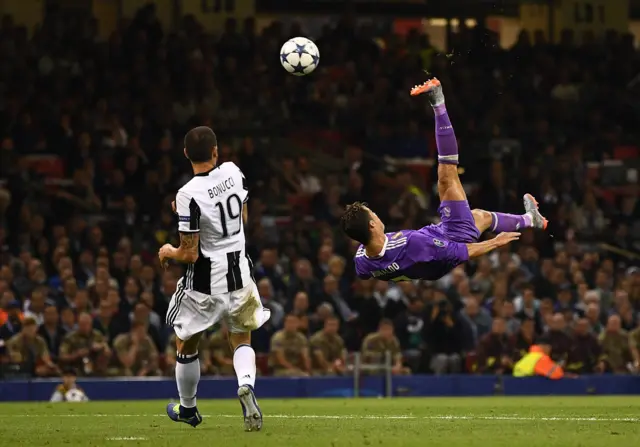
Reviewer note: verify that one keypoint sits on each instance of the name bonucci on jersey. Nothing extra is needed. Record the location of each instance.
(211, 204)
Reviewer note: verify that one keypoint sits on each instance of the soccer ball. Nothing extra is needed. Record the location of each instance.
(75, 395)
(299, 56)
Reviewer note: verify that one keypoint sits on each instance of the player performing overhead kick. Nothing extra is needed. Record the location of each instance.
(218, 283)
(433, 251)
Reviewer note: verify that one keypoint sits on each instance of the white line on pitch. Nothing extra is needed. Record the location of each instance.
(127, 438)
(367, 417)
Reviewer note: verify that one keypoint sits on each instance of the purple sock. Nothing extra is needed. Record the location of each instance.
(502, 222)
(445, 137)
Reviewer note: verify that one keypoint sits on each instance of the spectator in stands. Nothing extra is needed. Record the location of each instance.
(478, 317)
(35, 306)
(148, 300)
(565, 299)
(266, 291)
(309, 183)
(615, 346)
(13, 320)
(522, 340)
(337, 266)
(444, 335)
(269, 267)
(379, 346)
(594, 316)
(325, 253)
(130, 296)
(409, 326)
(30, 350)
(558, 338)
(85, 348)
(142, 314)
(339, 302)
(81, 302)
(317, 319)
(136, 352)
(301, 310)
(68, 320)
(588, 218)
(303, 280)
(585, 353)
(69, 290)
(328, 353)
(107, 323)
(484, 280)
(220, 352)
(289, 353)
(51, 331)
(507, 313)
(494, 351)
(634, 345)
(528, 306)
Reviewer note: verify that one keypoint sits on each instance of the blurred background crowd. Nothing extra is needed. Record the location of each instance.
(91, 157)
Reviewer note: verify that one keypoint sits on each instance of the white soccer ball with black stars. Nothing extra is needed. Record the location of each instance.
(75, 395)
(299, 56)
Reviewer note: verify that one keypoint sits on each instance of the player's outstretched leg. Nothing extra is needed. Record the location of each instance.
(503, 222)
(187, 378)
(244, 363)
(449, 185)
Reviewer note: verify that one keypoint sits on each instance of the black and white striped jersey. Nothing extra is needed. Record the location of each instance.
(211, 204)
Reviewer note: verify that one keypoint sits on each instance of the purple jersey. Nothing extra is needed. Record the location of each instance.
(413, 254)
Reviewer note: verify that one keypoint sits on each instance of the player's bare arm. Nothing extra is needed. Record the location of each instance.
(187, 252)
(482, 248)
(245, 213)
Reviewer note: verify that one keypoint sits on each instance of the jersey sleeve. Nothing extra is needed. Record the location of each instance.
(188, 213)
(244, 192)
(423, 247)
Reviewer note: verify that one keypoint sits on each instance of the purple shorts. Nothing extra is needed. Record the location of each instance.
(457, 223)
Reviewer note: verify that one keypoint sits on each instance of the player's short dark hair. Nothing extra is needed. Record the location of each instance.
(355, 222)
(199, 143)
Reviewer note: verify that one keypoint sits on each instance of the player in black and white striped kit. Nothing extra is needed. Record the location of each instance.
(218, 283)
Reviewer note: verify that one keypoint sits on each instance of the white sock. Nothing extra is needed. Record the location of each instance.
(187, 378)
(244, 362)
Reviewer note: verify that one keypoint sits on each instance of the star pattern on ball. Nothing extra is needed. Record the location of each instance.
(315, 59)
(301, 48)
(298, 68)
(283, 58)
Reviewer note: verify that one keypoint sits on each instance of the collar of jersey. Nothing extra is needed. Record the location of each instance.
(381, 254)
(205, 173)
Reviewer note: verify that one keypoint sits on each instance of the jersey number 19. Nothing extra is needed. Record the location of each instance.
(229, 218)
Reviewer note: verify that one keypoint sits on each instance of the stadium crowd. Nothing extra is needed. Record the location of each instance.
(80, 285)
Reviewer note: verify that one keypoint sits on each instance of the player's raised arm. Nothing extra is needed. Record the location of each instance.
(189, 226)
(481, 248)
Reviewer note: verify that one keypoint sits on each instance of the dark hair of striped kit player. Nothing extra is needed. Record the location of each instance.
(200, 144)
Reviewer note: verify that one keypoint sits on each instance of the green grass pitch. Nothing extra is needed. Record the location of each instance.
(450, 422)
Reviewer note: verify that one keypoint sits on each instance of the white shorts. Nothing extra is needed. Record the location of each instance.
(192, 312)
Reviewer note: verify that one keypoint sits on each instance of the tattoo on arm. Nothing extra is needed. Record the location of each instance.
(188, 250)
(189, 241)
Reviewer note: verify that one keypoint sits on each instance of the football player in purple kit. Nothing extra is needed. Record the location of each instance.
(433, 251)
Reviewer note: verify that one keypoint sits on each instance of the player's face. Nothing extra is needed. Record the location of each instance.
(377, 225)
